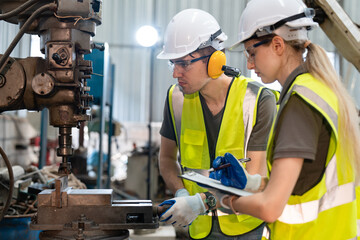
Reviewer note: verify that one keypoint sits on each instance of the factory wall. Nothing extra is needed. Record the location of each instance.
(7, 33)
(15, 137)
(350, 75)
(121, 19)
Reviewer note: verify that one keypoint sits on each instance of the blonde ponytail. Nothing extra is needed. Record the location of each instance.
(319, 65)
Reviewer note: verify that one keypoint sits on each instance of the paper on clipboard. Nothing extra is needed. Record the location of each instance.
(212, 183)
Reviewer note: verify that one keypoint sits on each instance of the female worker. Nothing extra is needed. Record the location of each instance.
(313, 147)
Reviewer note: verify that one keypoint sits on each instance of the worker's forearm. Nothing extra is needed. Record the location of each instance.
(257, 205)
(264, 181)
(257, 165)
(270, 203)
(170, 170)
(252, 205)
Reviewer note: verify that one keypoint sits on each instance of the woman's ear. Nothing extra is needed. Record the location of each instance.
(278, 45)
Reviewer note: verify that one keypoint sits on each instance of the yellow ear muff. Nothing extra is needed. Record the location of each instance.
(215, 63)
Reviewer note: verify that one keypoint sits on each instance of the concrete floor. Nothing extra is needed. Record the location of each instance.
(163, 232)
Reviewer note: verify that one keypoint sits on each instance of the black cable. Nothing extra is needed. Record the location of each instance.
(231, 71)
(11, 183)
(21, 32)
(17, 10)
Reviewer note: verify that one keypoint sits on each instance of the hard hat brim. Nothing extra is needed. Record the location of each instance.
(235, 46)
(311, 24)
(168, 56)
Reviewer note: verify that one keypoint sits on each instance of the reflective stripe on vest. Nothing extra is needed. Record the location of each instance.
(176, 109)
(321, 104)
(238, 120)
(249, 110)
(309, 211)
(266, 234)
(307, 216)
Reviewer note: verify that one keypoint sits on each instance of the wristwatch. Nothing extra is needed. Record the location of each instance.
(210, 200)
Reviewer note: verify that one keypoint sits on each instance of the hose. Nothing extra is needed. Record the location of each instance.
(11, 183)
(21, 32)
(17, 10)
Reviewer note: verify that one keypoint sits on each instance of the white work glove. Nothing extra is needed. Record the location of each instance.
(183, 210)
(182, 192)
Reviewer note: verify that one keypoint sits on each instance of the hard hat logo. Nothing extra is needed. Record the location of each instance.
(189, 30)
(289, 19)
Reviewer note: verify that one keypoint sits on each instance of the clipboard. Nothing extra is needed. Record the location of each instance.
(210, 183)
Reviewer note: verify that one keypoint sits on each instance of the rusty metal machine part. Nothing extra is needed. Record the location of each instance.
(59, 83)
(90, 212)
(12, 83)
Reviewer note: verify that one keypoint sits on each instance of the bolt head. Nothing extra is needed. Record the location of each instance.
(2, 80)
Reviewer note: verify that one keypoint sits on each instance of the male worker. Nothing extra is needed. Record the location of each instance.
(206, 115)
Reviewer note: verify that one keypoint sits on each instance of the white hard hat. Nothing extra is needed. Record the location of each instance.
(290, 19)
(190, 30)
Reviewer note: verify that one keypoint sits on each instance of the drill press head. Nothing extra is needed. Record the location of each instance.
(58, 82)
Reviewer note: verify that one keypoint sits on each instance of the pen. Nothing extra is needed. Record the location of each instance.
(226, 165)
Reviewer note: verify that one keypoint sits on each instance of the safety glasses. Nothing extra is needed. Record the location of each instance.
(250, 51)
(184, 65)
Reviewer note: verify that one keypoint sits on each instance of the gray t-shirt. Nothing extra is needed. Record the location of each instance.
(259, 135)
(302, 132)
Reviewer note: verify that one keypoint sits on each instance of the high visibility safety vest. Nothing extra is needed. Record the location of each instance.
(328, 210)
(357, 190)
(237, 123)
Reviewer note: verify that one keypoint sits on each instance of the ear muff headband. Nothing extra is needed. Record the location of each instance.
(216, 61)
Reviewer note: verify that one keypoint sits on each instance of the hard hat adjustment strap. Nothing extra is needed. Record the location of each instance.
(209, 42)
(215, 35)
(308, 13)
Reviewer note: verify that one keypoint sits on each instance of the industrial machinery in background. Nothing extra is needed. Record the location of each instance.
(59, 83)
(339, 28)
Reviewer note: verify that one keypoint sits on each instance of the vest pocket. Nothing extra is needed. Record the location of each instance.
(237, 152)
(192, 148)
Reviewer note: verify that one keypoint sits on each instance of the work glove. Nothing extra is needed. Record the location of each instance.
(182, 192)
(183, 210)
(235, 175)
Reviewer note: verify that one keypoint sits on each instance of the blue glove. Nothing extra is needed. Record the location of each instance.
(235, 175)
(183, 210)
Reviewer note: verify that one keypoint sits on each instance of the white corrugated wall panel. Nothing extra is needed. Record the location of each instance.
(350, 75)
(121, 19)
(7, 32)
